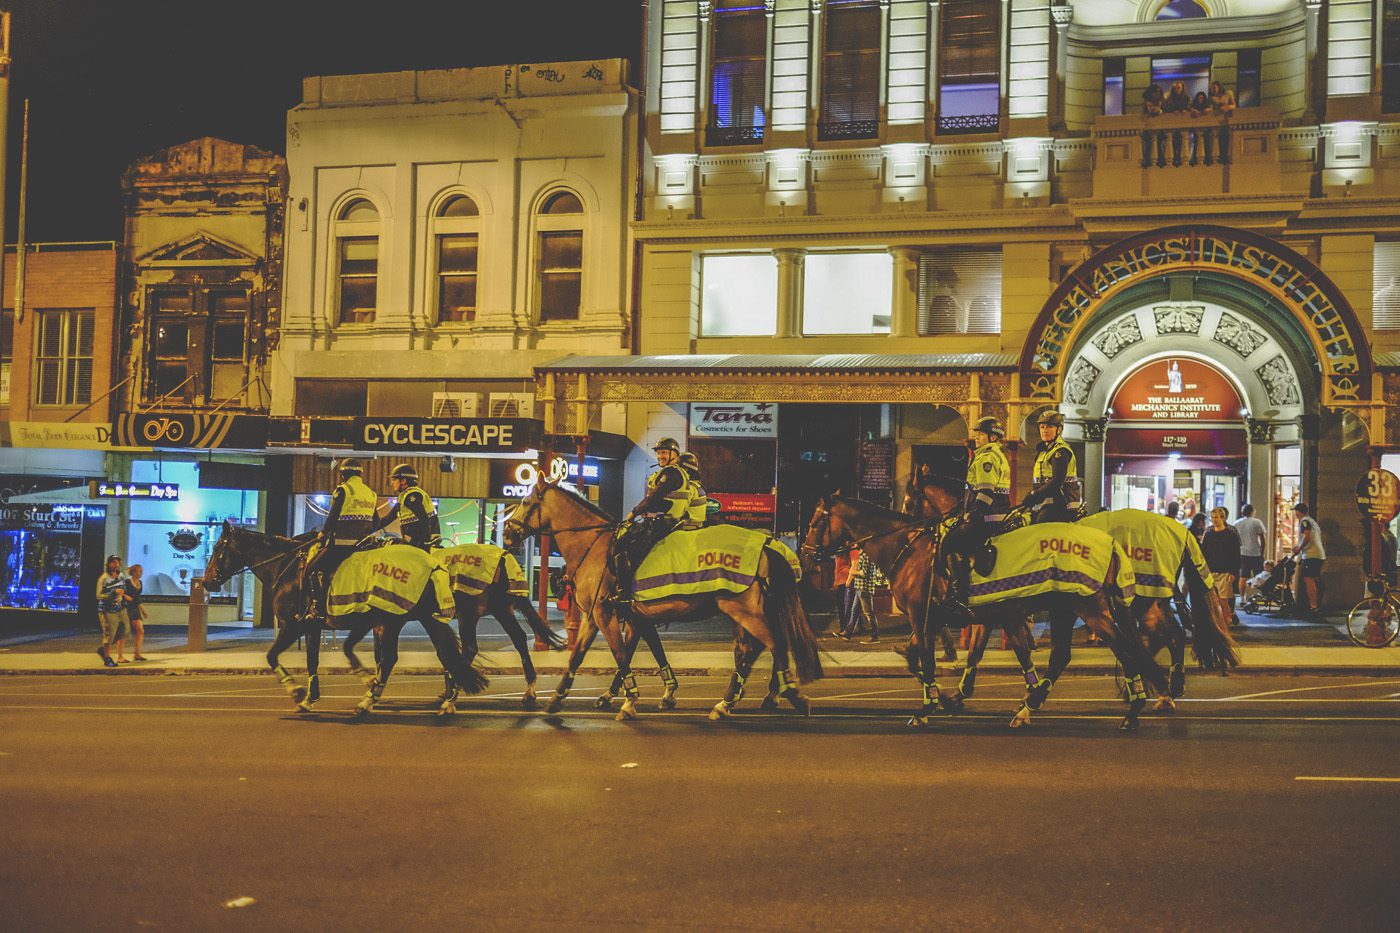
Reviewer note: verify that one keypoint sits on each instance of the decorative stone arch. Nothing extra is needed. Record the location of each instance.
(1316, 309)
(1148, 9)
(479, 196)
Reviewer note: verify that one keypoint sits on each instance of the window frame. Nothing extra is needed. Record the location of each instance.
(1388, 53)
(64, 359)
(202, 321)
(545, 226)
(963, 125)
(888, 284)
(441, 227)
(7, 354)
(829, 129)
(738, 133)
(923, 300)
(343, 231)
(703, 318)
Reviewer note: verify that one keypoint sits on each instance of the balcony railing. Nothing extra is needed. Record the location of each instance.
(733, 135)
(1148, 155)
(969, 123)
(850, 129)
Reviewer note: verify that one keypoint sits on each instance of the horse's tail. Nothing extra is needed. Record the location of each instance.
(1129, 641)
(783, 608)
(532, 616)
(1211, 641)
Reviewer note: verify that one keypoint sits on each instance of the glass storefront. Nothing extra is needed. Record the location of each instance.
(43, 547)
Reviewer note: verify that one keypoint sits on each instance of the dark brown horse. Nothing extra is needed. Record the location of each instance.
(277, 562)
(911, 555)
(767, 614)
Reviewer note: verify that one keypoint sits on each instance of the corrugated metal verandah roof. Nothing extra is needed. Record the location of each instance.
(787, 362)
(1387, 360)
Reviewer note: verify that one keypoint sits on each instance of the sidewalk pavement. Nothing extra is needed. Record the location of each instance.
(1267, 646)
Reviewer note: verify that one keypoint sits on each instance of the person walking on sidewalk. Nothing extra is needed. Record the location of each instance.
(1253, 536)
(1312, 555)
(1221, 546)
(111, 610)
(135, 610)
(865, 580)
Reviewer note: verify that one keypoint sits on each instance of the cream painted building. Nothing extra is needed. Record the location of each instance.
(884, 219)
(447, 231)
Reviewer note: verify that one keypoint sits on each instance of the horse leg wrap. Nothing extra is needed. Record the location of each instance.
(449, 689)
(629, 686)
(668, 677)
(1038, 694)
(785, 685)
(1032, 677)
(735, 693)
(968, 682)
(1176, 681)
(284, 677)
(931, 694)
(313, 686)
(615, 687)
(1136, 689)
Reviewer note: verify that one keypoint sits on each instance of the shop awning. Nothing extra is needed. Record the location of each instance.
(827, 364)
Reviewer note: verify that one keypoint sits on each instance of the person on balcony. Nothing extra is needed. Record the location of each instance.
(1152, 107)
(1200, 104)
(1177, 102)
(1222, 99)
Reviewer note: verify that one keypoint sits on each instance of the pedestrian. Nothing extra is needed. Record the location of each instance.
(841, 573)
(1312, 555)
(1174, 510)
(567, 603)
(848, 603)
(111, 595)
(135, 609)
(865, 580)
(1197, 527)
(1253, 536)
(1221, 546)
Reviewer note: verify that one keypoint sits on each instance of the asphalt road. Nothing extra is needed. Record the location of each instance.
(1260, 804)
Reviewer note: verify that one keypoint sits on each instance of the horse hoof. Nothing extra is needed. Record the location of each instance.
(1130, 724)
(1165, 703)
(917, 721)
(444, 697)
(1022, 717)
(362, 712)
(624, 714)
(800, 703)
(447, 709)
(667, 702)
(604, 701)
(555, 705)
(304, 707)
(769, 704)
(719, 712)
(530, 700)
(952, 704)
(299, 695)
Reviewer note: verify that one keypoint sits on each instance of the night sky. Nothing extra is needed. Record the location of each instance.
(109, 82)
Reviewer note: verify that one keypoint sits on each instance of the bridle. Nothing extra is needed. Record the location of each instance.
(216, 581)
(824, 552)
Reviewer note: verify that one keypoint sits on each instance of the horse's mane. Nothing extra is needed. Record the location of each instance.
(592, 509)
(879, 510)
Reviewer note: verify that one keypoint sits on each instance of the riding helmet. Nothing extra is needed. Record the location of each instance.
(990, 426)
(404, 472)
(350, 467)
(668, 443)
(1053, 418)
(690, 462)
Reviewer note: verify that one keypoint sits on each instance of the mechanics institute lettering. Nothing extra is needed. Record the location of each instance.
(1290, 278)
(475, 435)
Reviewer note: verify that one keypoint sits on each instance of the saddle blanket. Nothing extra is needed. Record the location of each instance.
(717, 559)
(1155, 544)
(389, 578)
(1054, 557)
(472, 568)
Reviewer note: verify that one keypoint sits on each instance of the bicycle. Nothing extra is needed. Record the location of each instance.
(1375, 621)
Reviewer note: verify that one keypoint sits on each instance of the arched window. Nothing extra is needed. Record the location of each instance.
(357, 262)
(1181, 9)
(456, 237)
(851, 70)
(559, 257)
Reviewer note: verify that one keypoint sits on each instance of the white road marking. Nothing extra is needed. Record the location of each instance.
(1350, 780)
(1270, 693)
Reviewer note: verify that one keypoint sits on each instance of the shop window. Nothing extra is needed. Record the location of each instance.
(1390, 57)
(847, 293)
(198, 344)
(457, 233)
(63, 358)
(738, 72)
(960, 292)
(357, 262)
(559, 260)
(1385, 286)
(41, 553)
(342, 397)
(1181, 9)
(7, 353)
(739, 296)
(850, 92)
(1247, 81)
(173, 541)
(1193, 71)
(1113, 69)
(969, 67)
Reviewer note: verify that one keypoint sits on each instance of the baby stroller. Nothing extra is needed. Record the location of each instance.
(1275, 594)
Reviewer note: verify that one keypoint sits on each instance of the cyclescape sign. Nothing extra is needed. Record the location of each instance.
(444, 435)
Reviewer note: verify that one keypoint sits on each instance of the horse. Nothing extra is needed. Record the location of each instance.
(911, 555)
(1212, 644)
(276, 562)
(766, 614)
(499, 601)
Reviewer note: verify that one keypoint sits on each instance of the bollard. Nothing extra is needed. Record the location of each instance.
(199, 616)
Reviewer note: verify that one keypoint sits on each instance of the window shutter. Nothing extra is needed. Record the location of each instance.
(960, 292)
(1385, 287)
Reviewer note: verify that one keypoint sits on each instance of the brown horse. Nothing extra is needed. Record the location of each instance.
(911, 555)
(1157, 617)
(767, 614)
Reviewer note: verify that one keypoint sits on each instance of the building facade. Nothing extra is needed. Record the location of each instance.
(879, 220)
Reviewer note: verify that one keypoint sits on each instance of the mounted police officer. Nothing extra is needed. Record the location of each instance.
(415, 510)
(663, 509)
(1056, 495)
(985, 504)
(697, 510)
(349, 520)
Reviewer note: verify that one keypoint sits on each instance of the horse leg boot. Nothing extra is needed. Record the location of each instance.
(373, 691)
(605, 699)
(744, 656)
(566, 683)
(770, 699)
(932, 696)
(670, 685)
(629, 697)
(1137, 699)
(296, 691)
(1061, 634)
(789, 691)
